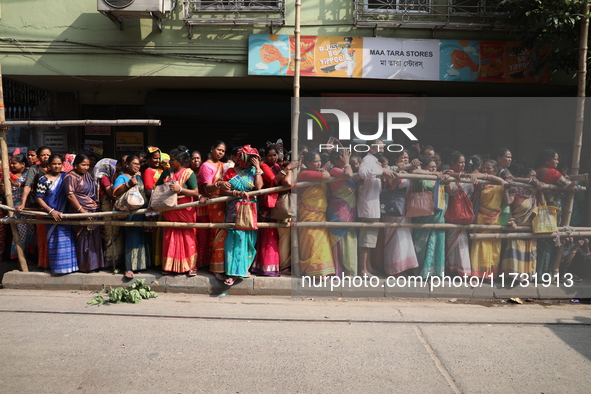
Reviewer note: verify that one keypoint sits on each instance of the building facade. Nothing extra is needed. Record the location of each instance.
(186, 62)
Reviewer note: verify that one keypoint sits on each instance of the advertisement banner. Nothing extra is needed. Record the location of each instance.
(393, 58)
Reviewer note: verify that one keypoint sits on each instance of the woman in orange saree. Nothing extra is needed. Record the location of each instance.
(315, 248)
(210, 177)
(179, 250)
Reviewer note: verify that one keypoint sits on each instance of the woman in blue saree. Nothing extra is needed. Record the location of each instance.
(240, 244)
(430, 243)
(52, 199)
(137, 253)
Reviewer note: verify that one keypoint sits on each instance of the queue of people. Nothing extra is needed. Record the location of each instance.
(380, 194)
(363, 189)
(229, 253)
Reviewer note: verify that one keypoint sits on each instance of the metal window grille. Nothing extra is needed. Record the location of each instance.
(233, 12)
(459, 14)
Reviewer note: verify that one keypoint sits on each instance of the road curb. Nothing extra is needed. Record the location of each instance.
(206, 283)
(203, 283)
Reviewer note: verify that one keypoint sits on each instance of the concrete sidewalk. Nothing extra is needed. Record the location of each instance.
(54, 342)
(206, 283)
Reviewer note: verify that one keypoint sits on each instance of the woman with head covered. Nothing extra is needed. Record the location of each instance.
(245, 176)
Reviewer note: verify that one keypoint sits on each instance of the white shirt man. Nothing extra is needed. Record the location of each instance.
(368, 202)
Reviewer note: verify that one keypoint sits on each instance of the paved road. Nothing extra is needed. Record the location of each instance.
(53, 342)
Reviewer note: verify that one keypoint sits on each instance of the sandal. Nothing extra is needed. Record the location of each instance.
(192, 272)
(229, 281)
(129, 274)
(220, 277)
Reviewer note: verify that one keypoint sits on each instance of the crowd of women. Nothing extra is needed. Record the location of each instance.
(80, 184)
(432, 252)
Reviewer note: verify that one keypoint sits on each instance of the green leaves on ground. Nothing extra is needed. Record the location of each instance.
(133, 294)
(98, 300)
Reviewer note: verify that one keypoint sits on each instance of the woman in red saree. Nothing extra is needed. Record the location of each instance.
(547, 172)
(267, 258)
(210, 179)
(179, 250)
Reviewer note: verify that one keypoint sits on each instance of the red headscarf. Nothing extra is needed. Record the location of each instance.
(244, 153)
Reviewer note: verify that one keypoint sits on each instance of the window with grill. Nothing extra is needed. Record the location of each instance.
(204, 5)
(472, 7)
(397, 6)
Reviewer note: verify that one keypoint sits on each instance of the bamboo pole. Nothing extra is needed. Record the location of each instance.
(87, 122)
(121, 223)
(295, 122)
(252, 194)
(531, 235)
(436, 226)
(432, 178)
(579, 123)
(216, 200)
(7, 188)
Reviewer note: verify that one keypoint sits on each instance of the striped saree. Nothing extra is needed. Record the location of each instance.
(60, 239)
(315, 251)
(485, 255)
(520, 254)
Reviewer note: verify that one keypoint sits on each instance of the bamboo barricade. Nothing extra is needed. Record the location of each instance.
(7, 188)
(255, 193)
(523, 231)
(84, 122)
(560, 234)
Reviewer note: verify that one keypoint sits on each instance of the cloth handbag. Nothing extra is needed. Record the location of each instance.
(392, 202)
(285, 207)
(505, 215)
(460, 209)
(420, 204)
(439, 202)
(269, 200)
(163, 197)
(545, 220)
(246, 215)
(130, 200)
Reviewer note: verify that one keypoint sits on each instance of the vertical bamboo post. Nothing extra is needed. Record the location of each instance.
(579, 123)
(7, 190)
(295, 251)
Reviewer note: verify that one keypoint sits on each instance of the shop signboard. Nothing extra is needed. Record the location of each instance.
(130, 141)
(57, 142)
(393, 58)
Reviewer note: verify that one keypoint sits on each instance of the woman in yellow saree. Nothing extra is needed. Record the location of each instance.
(485, 255)
(315, 251)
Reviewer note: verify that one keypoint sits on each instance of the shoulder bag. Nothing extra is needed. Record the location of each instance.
(162, 197)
